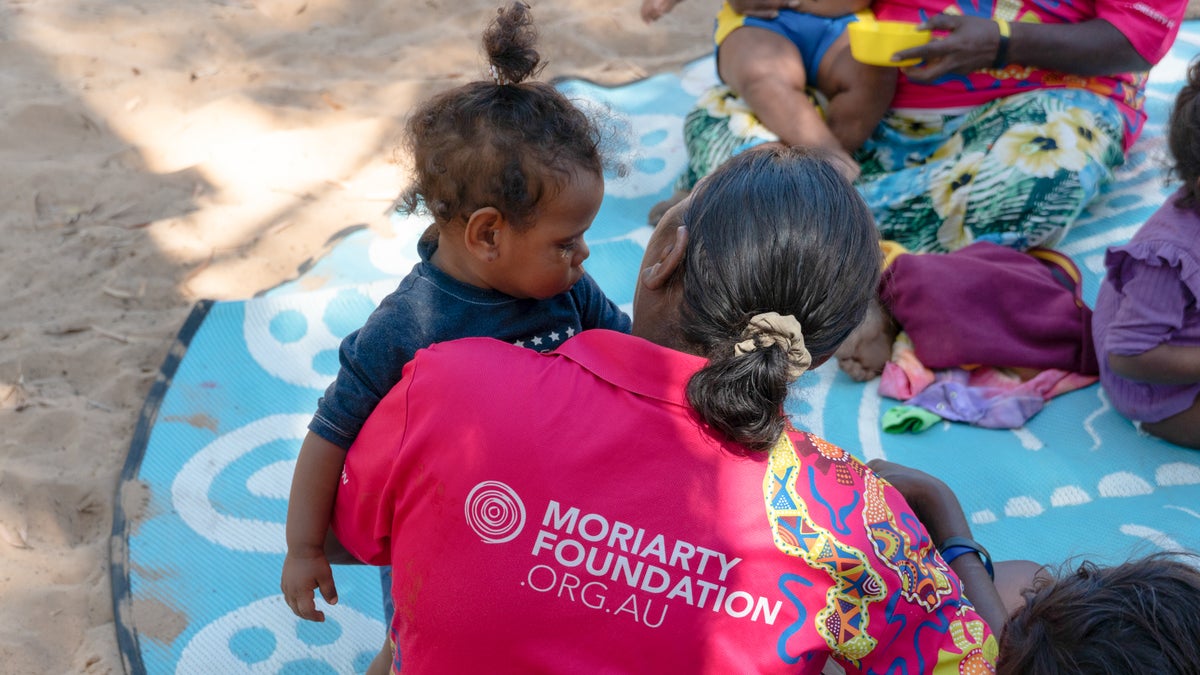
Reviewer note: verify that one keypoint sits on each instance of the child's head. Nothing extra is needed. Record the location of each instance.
(512, 161)
(1183, 138)
(1139, 617)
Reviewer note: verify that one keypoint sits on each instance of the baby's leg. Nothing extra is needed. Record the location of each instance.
(859, 94)
(382, 663)
(1182, 429)
(766, 70)
(657, 211)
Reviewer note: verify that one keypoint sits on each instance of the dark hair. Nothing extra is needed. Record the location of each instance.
(1142, 616)
(492, 142)
(772, 230)
(1183, 138)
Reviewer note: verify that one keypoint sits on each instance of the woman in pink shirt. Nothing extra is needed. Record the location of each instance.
(640, 503)
(1013, 121)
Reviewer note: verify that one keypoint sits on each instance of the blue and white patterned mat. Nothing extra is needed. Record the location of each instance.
(196, 573)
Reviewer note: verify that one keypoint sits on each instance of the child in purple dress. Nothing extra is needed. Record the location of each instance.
(1146, 322)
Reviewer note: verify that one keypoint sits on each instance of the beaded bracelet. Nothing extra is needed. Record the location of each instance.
(1001, 59)
(954, 547)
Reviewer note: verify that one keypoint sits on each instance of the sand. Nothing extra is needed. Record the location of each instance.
(156, 153)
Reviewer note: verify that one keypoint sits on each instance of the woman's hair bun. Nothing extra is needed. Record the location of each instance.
(509, 42)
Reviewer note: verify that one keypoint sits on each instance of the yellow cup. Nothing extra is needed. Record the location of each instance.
(873, 42)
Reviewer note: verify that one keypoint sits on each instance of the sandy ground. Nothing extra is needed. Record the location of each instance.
(157, 152)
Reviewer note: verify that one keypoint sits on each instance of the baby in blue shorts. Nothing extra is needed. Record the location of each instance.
(773, 57)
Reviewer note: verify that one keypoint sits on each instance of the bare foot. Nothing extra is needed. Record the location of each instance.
(869, 347)
(845, 164)
(657, 211)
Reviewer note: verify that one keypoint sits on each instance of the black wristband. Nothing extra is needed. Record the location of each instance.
(953, 547)
(1001, 59)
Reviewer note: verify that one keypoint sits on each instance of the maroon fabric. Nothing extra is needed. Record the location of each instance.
(990, 305)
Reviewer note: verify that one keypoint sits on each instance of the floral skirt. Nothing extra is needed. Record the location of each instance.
(1017, 171)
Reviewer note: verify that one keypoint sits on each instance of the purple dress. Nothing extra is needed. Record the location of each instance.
(1149, 297)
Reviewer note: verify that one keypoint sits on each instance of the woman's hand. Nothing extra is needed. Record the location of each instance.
(938, 509)
(970, 44)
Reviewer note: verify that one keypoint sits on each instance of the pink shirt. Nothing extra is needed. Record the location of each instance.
(1150, 27)
(566, 512)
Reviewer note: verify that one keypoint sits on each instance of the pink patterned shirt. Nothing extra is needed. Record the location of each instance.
(1150, 28)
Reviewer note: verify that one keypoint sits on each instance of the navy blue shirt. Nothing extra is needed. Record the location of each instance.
(430, 306)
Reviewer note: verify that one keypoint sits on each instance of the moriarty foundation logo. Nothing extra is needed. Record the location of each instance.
(495, 512)
(612, 566)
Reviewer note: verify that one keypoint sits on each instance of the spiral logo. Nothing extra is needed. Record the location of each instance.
(495, 512)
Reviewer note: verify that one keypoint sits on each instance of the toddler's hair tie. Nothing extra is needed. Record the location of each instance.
(771, 328)
(499, 79)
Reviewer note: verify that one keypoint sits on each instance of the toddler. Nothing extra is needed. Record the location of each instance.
(1137, 617)
(512, 174)
(1147, 322)
(771, 58)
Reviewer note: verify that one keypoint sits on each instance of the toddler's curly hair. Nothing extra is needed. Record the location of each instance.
(507, 142)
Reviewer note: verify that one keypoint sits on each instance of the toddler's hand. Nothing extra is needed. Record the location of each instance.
(653, 10)
(762, 9)
(301, 574)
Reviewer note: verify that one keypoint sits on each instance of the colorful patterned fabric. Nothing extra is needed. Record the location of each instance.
(1016, 172)
(1150, 28)
(622, 536)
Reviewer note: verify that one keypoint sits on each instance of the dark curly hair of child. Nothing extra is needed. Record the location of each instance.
(1183, 139)
(1142, 616)
(499, 142)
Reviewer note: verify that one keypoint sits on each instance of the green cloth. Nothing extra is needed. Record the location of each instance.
(908, 419)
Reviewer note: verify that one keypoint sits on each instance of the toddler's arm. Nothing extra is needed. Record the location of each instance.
(1164, 364)
(938, 509)
(828, 7)
(769, 9)
(310, 509)
(653, 10)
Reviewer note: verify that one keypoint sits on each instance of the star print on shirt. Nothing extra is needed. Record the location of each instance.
(554, 336)
(537, 341)
(519, 343)
(570, 332)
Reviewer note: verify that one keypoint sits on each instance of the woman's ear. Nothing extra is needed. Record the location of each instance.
(656, 274)
(484, 232)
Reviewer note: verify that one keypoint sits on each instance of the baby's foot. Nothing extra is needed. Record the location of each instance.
(657, 211)
(845, 164)
(868, 349)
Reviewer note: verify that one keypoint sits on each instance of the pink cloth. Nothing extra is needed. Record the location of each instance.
(995, 398)
(904, 376)
(566, 512)
(1150, 27)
